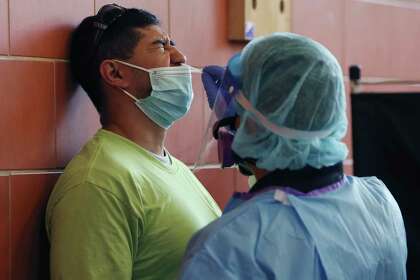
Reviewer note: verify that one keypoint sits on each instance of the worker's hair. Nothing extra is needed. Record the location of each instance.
(117, 40)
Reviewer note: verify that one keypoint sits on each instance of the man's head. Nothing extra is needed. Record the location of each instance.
(297, 85)
(131, 35)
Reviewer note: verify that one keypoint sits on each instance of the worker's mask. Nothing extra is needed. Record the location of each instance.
(252, 180)
(171, 95)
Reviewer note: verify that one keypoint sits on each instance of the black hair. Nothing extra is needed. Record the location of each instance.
(118, 41)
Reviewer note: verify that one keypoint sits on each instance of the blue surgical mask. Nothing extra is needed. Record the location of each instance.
(171, 95)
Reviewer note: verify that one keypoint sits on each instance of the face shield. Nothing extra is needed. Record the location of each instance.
(231, 103)
(215, 148)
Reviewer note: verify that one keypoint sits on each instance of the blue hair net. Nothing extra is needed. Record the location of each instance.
(297, 84)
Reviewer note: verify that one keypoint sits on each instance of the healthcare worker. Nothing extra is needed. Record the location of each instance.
(303, 219)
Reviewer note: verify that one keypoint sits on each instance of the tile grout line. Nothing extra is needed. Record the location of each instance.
(346, 162)
(291, 17)
(395, 3)
(4, 173)
(54, 60)
(31, 58)
(344, 38)
(35, 172)
(55, 113)
(9, 47)
(8, 173)
(207, 166)
(9, 185)
(169, 18)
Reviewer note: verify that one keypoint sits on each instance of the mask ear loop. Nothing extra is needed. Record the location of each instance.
(132, 65)
(130, 95)
(169, 72)
(285, 132)
(191, 69)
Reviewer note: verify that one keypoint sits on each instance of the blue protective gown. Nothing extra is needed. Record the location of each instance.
(353, 230)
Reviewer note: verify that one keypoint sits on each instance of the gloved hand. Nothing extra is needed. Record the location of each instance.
(212, 77)
(215, 82)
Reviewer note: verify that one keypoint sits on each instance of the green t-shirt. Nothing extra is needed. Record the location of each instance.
(117, 212)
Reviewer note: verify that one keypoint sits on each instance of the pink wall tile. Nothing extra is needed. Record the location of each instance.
(219, 183)
(42, 28)
(348, 138)
(199, 28)
(241, 182)
(4, 228)
(208, 154)
(211, 152)
(29, 195)
(157, 7)
(4, 27)
(384, 39)
(391, 88)
(405, 54)
(77, 119)
(348, 168)
(27, 115)
(323, 21)
(368, 41)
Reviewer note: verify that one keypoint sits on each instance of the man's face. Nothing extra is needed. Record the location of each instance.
(153, 50)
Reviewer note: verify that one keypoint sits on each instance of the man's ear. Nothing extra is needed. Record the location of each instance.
(114, 74)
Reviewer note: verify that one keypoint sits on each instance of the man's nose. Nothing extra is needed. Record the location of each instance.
(177, 57)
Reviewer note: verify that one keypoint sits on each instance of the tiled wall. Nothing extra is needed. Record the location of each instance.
(45, 119)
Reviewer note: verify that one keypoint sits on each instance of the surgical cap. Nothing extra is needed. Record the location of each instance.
(295, 83)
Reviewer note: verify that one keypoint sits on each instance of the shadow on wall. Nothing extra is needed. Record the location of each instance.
(37, 247)
(76, 120)
(76, 117)
(29, 243)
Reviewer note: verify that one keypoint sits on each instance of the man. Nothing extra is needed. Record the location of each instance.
(124, 207)
(303, 219)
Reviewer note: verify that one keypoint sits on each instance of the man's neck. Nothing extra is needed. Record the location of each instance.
(144, 133)
(124, 118)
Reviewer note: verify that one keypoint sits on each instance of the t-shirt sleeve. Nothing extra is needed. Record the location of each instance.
(93, 235)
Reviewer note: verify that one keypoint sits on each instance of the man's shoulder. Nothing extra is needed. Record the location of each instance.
(98, 166)
(106, 159)
(178, 162)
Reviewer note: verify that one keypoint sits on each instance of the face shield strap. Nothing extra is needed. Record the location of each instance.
(285, 132)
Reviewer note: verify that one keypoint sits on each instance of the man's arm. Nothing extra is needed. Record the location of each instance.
(93, 235)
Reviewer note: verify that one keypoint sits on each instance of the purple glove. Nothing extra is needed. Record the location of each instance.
(212, 78)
